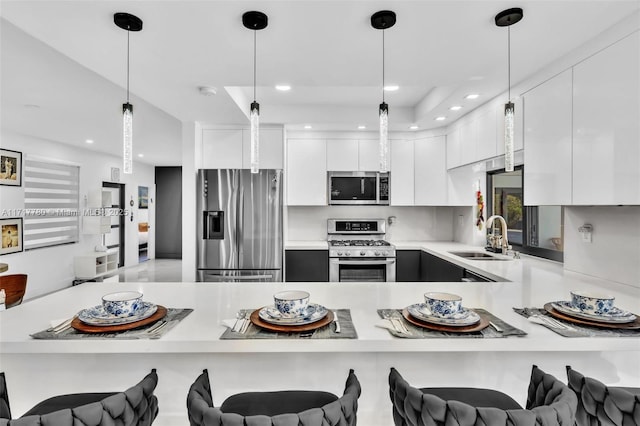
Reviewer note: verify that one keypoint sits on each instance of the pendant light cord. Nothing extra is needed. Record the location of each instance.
(382, 66)
(254, 65)
(128, 33)
(509, 60)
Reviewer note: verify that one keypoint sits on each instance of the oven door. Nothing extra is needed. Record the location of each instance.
(362, 270)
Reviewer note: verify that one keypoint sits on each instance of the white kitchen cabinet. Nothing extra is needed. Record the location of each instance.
(222, 149)
(486, 136)
(606, 126)
(270, 149)
(453, 148)
(468, 139)
(342, 155)
(402, 173)
(95, 264)
(306, 172)
(547, 154)
(430, 172)
(369, 155)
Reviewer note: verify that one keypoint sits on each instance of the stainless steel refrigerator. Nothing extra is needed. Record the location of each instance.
(239, 225)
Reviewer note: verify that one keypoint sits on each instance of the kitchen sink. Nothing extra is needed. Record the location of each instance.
(477, 255)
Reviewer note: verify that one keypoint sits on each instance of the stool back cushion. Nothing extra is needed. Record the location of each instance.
(5, 410)
(137, 406)
(274, 403)
(599, 404)
(476, 397)
(412, 407)
(339, 412)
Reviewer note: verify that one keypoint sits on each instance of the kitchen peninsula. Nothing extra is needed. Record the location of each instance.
(242, 365)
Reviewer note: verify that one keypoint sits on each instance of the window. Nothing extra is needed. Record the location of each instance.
(535, 230)
(51, 201)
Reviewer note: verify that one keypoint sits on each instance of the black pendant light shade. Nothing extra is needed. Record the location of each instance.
(509, 17)
(127, 21)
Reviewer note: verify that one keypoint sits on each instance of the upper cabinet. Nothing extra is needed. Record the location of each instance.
(547, 142)
(351, 155)
(231, 148)
(402, 176)
(606, 126)
(306, 172)
(430, 171)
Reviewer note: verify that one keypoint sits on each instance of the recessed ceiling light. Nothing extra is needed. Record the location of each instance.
(89, 141)
(472, 96)
(455, 108)
(207, 90)
(307, 127)
(414, 127)
(440, 118)
(391, 87)
(283, 87)
(140, 155)
(361, 127)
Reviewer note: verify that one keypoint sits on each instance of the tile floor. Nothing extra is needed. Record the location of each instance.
(154, 270)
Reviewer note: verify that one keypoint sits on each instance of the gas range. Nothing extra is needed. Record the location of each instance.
(361, 248)
(358, 238)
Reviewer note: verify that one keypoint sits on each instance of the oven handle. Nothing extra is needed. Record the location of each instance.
(363, 262)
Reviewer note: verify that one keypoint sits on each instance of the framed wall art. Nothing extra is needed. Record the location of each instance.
(143, 197)
(10, 167)
(11, 231)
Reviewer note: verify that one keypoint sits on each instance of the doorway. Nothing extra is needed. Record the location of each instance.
(115, 239)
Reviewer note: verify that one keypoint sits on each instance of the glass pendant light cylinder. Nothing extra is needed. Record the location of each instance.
(384, 137)
(255, 136)
(127, 138)
(509, 110)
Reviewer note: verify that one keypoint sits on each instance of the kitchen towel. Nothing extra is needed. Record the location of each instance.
(347, 331)
(416, 332)
(173, 317)
(577, 330)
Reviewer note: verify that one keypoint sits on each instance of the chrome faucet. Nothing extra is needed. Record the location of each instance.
(504, 243)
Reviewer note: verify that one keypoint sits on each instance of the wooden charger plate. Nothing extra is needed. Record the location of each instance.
(480, 325)
(88, 328)
(634, 325)
(255, 318)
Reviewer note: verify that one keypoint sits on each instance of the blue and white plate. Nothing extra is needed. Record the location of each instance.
(99, 317)
(614, 316)
(461, 319)
(313, 313)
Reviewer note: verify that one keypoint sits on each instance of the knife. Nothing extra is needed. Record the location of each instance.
(335, 320)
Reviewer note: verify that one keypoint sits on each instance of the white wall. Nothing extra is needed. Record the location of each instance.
(411, 224)
(51, 268)
(614, 253)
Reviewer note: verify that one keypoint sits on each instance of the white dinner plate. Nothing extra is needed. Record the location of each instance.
(99, 317)
(614, 316)
(314, 312)
(461, 319)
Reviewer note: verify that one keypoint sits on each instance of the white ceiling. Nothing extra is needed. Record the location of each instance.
(438, 51)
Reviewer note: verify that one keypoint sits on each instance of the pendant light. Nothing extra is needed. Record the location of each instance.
(127, 22)
(506, 18)
(255, 21)
(381, 21)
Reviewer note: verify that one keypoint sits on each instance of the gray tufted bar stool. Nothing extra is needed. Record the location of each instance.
(599, 404)
(281, 408)
(549, 403)
(137, 406)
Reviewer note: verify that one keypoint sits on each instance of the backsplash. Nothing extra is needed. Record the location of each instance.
(410, 223)
(614, 250)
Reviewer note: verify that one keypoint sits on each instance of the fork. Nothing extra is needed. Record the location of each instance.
(551, 322)
(246, 322)
(396, 323)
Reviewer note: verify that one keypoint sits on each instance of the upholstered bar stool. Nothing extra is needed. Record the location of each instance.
(549, 402)
(599, 404)
(282, 408)
(137, 406)
(14, 286)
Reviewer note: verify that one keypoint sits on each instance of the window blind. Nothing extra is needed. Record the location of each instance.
(51, 202)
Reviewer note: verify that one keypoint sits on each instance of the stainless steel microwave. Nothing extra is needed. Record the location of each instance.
(359, 188)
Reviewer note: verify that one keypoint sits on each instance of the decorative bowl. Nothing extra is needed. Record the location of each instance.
(443, 305)
(291, 303)
(123, 303)
(592, 303)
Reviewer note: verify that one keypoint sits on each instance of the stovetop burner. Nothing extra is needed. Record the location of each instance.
(358, 243)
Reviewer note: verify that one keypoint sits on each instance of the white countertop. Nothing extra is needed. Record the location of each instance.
(306, 245)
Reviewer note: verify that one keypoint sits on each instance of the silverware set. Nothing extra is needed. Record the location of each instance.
(396, 322)
(242, 321)
(546, 320)
(64, 325)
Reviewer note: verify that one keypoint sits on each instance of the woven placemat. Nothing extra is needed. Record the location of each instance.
(173, 317)
(347, 331)
(425, 333)
(577, 330)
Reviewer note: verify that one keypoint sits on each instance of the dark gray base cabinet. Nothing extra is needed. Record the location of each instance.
(408, 265)
(432, 268)
(307, 265)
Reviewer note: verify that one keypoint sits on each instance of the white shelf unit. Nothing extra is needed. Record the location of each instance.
(97, 222)
(95, 264)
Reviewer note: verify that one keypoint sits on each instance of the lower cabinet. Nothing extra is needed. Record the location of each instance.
(433, 268)
(408, 265)
(307, 265)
